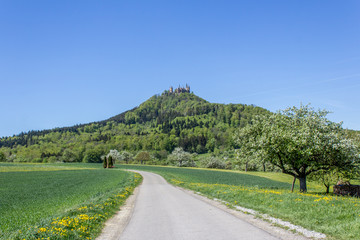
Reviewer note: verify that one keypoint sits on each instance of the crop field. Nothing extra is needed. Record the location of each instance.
(337, 217)
(60, 201)
(211, 176)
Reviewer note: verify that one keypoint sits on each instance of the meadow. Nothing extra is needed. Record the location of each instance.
(60, 201)
(269, 193)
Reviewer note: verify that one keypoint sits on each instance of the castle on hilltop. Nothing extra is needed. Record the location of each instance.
(180, 89)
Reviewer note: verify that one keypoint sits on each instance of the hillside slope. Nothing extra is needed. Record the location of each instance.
(161, 123)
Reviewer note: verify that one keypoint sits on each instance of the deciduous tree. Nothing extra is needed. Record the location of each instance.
(126, 156)
(2, 157)
(300, 142)
(143, 157)
(180, 157)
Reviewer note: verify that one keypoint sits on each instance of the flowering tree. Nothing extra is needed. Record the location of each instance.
(299, 141)
(114, 154)
(126, 156)
(110, 158)
(182, 158)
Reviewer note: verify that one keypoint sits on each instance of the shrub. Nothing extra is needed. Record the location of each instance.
(215, 162)
(189, 163)
(2, 157)
(92, 156)
(52, 159)
(69, 156)
(181, 158)
(143, 157)
(36, 160)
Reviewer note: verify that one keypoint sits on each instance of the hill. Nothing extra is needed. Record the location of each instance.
(163, 122)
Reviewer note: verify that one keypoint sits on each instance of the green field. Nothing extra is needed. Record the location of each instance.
(41, 200)
(212, 177)
(269, 193)
(72, 201)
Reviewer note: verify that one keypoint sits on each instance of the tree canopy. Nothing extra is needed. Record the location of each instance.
(181, 158)
(300, 142)
(163, 122)
(143, 156)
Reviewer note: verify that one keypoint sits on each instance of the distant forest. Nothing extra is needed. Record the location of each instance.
(158, 126)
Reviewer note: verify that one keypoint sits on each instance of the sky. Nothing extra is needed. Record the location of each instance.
(70, 62)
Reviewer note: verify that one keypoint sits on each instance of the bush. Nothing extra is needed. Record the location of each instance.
(181, 158)
(51, 159)
(143, 157)
(214, 162)
(229, 165)
(36, 160)
(2, 157)
(92, 156)
(187, 164)
(69, 156)
(21, 159)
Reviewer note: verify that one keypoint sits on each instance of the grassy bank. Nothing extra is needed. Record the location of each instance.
(62, 201)
(337, 217)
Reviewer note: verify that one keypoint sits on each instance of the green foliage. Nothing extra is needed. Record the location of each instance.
(327, 178)
(92, 156)
(105, 162)
(333, 175)
(110, 162)
(215, 162)
(161, 123)
(69, 156)
(181, 158)
(2, 157)
(114, 154)
(299, 142)
(143, 157)
(126, 156)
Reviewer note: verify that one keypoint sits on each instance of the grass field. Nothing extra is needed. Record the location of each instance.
(337, 217)
(60, 201)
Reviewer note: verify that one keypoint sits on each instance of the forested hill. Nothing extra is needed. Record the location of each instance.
(161, 123)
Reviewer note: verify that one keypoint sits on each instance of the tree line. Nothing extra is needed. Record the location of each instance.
(163, 122)
(300, 142)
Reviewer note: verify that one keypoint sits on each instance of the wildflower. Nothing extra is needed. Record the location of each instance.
(41, 230)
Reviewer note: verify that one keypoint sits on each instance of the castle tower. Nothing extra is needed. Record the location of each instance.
(171, 90)
(187, 88)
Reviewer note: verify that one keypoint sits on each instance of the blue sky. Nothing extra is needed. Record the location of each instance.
(68, 62)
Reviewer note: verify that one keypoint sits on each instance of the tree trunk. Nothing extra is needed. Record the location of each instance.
(293, 184)
(302, 184)
(264, 167)
(327, 188)
(246, 166)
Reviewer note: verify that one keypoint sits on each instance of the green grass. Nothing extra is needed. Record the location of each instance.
(269, 193)
(33, 196)
(212, 176)
(276, 176)
(28, 167)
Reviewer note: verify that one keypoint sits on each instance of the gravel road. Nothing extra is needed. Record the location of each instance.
(164, 212)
